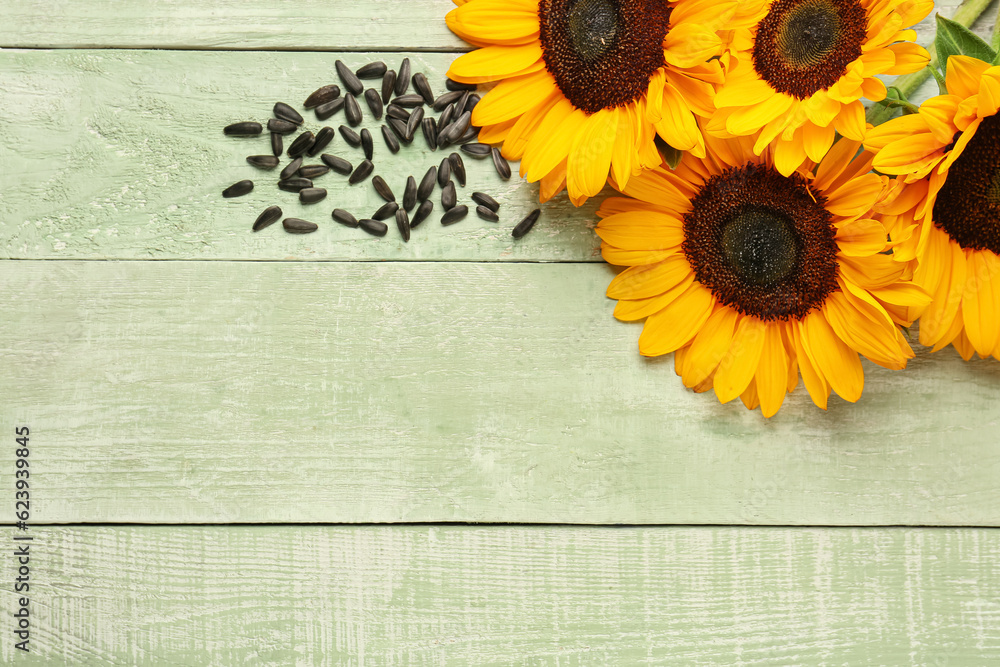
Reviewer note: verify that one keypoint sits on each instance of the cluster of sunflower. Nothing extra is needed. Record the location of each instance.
(768, 229)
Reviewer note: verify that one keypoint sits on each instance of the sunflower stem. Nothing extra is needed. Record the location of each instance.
(995, 37)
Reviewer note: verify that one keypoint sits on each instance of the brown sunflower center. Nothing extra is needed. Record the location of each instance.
(762, 242)
(967, 207)
(602, 53)
(803, 46)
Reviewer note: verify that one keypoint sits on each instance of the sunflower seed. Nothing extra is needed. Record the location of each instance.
(445, 119)
(470, 134)
(277, 144)
(301, 144)
(399, 128)
(324, 111)
(238, 189)
(366, 143)
(442, 136)
(502, 166)
(322, 96)
(294, 184)
(393, 111)
(362, 172)
(268, 216)
(338, 164)
(383, 189)
(484, 199)
(462, 101)
(386, 210)
(471, 103)
(371, 71)
(323, 138)
(388, 82)
(350, 136)
(457, 168)
(285, 112)
(281, 126)
(426, 186)
(444, 172)
(348, 78)
(414, 122)
(408, 101)
(447, 98)
(423, 211)
(525, 225)
(455, 85)
(403, 224)
(421, 86)
(263, 161)
(374, 101)
(291, 168)
(246, 129)
(487, 214)
(477, 150)
(352, 111)
(297, 226)
(403, 78)
(311, 195)
(390, 140)
(313, 171)
(373, 227)
(429, 128)
(344, 218)
(448, 196)
(458, 128)
(453, 215)
(410, 193)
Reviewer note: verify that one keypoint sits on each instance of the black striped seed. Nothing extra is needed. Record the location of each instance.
(455, 85)
(410, 193)
(344, 218)
(338, 164)
(238, 189)
(458, 128)
(525, 225)
(470, 134)
(291, 168)
(383, 189)
(352, 111)
(321, 96)
(366, 144)
(393, 111)
(285, 112)
(348, 78)
(501, 165)
(403, 78)
(445, 119)
(374, 101)
(448, 196)
(484, 199)
(423, 211)
(294, 184)
(268, 216)
(403, 224)
(444, 172)
(462, 101)
(472, 102)
(312, 195)
(301, 144)
(323, 138)
(263, 161)
(298, 226)
(399, 128)
(442, 137)
(313, 171)
(457, 168)
(421, 86)
(477, 150)
(245, 129)
(324, 111)
(447, 98)
(281, 126)
(350, 136)
(373, 227)
(371, 71)
(390, 140)
(487, 214)
(454, 215)
(408, 101)
(429, 128)
(363, 171)
(277, 144)
(388, 82)
(386, 210)
(414, 122)
(426, 186)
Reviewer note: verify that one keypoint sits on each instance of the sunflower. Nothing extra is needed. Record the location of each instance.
(585, 86)
(948, 155)
(809, 64)
(751, 277)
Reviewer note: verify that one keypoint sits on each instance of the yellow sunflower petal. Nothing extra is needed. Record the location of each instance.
(789, 155)
(738, 366)
(743, 91)
(512, 97)
(748, 119)
(815, 383)
(772, 371)
(856, 196)
(678, 126)
(690, 44)
(861, 238)
(941, 272)
(631, 310)
(817, 140)
(709, 346)
(989, 96)
(492, 63)
(851, 122)
(750, 397)
(981, 302)
(838, 363)
(900, 157)
(910, 58)
(590, 157)
(641, 230)
(552, 183)
(676, 325)
(551, 143)
(496, 21)
(639, 282)
(621, 257)
(963, 75)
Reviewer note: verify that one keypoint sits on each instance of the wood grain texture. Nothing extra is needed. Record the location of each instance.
(410, 391)
(569, 597)
(120, 154)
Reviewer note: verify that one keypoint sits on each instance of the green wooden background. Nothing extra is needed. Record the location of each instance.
(340, 450)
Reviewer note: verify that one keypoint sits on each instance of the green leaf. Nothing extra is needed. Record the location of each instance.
(954, 39)
(670, 155)
(942, 87)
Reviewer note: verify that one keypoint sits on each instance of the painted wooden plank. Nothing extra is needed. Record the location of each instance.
(410, 391)
(120, 154)
(595, 597)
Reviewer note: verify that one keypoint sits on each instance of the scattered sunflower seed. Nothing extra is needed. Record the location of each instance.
(277, 144)
(421, 86)
(297, 226)
(403, 78)
(323, 138)
(472, 102)
(344, 217)
(414, 122)
(455, 85)
(390, 139)
(484, 199)
(394, 111)
(285, 112)
(311, 171)
(426, 186)
(447, 98)
(374, 101)
(477, 150)
(525, 225)
(444, 172)
(281, 126)
(408, 101)
(423, 211)
(291, 168)
(268, 216)
(324, 111)
(388, 82)
(350, 136)
(470, 134)
(350, 81)
(352, 111)
(238, 189)
(371, 71)
(429, 128)
(301, 144)
(245, 129)
(294, 184)
(445, 119)
(311, 195)
(453, 215)
(458, 128)
(383, 189)
(363, 171)
(373, 227)
(457, 168)
(322, 96)
(337, 164)
(448, 196)
(487, 214)
(462, 101)
(410, 193)
(399, 128)
(386, 210)
(263, 161)
(366, 143)
(403, 224)
(502, 166)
